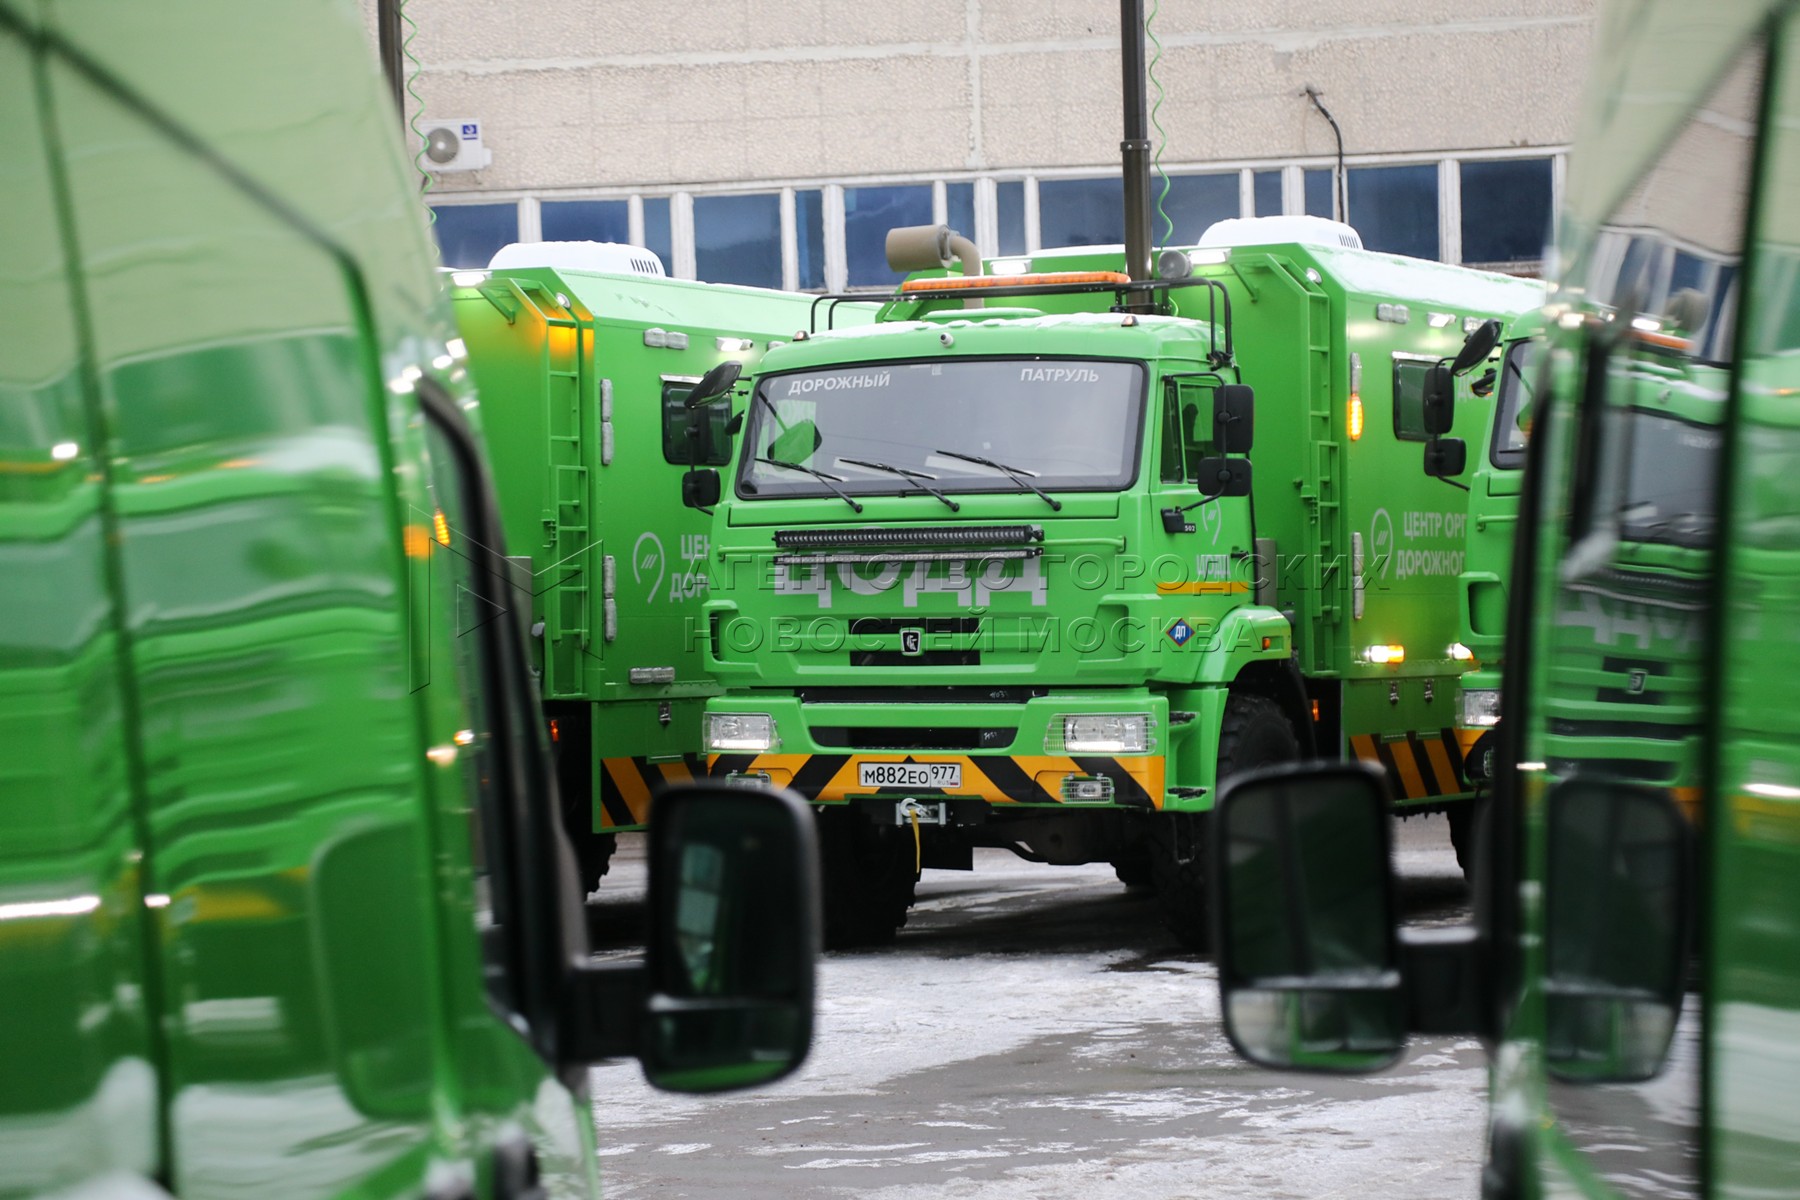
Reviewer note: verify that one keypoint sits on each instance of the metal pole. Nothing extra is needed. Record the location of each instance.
(1135, 149)
(388, 38)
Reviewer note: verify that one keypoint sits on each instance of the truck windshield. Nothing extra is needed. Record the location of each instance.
(1512, 413)
(1669, 489)
(1061, 424)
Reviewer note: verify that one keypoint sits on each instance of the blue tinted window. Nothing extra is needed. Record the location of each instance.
(1266, 185)
(1081, 212)
(1688, 272)
(809, 215)
(656, 231)
(1194, 202)
(1009, 205)
(468, 234)
(737, 239)
(1318, 194)
(1395, 209)
(586, 221)
(959, 208)
(869, 213)
(1505, 210)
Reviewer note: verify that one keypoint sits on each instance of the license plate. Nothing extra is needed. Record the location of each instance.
(919, 775)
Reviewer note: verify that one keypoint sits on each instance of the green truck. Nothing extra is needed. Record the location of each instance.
(1045, 553)
(587, 358)
(1634, 964)
(284, 905)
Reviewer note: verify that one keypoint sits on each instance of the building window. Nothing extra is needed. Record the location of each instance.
(869, 212)
(1505, 211)
(809, 215)
(1266, 190)
(1194, 202)
(586, 220)
(657, 235)
(1009, 209)
(1395, 209)
(469, 234)
(959, 208)
(1319, 189)
(1081, 212)
(737, 239)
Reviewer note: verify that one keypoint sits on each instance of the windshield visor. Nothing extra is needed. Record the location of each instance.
(1058, 424)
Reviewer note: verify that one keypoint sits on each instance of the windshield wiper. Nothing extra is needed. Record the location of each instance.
(821, 476)
(902, 472)
(1016, 474)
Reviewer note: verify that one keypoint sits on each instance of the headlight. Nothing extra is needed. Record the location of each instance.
(740, 731)
(1480, 707)
(1107, 733)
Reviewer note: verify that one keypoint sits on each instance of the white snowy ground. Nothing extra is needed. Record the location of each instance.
(1033, 1035)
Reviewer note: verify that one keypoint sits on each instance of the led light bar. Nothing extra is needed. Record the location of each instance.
(926, 535)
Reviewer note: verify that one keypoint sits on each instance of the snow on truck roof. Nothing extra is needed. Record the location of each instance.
(612, 258)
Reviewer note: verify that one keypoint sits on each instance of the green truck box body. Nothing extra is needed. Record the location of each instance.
(582, 375)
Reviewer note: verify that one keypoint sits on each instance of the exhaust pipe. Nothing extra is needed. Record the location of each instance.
(927, 247)
(1135, 149)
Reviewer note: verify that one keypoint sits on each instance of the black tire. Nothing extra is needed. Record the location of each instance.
(1132, 865)
(869, 874)
(1254, 733)
(572, 753)
(1463, 818)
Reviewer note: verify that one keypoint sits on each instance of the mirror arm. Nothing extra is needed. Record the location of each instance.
(1449, 984)
(603, 1006)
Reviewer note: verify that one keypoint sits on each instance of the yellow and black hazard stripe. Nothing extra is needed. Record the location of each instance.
(628, 785)
(1419, 766)
(998, 779)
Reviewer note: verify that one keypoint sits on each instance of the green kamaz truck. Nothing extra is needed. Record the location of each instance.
(284, 905)
(1634, 961)
(1044, 554)
(587, 358)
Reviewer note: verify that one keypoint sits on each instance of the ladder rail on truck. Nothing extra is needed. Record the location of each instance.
(1632, 958)
(1059, 663)
(586, 355)
(284, 907)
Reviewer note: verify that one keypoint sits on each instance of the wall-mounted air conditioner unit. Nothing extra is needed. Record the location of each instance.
(453, 144)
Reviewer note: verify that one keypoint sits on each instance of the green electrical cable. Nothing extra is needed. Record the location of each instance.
(1162, 136)
(417, 106)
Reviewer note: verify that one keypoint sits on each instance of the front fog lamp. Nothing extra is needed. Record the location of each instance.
(1480, 707)
(1107, 733)
(740, 731)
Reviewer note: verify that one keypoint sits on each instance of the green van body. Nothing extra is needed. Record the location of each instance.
(1635, 963)
(1281, 599)
(282, 909)
(583, 375)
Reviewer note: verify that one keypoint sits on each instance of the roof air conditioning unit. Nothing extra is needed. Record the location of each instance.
(453, 144)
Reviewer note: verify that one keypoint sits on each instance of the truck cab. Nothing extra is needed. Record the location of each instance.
(1042, 555)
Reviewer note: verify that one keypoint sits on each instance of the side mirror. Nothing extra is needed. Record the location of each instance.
(715, 383)
(1446, 457)
(1309, 967)
(1437, 407)
(734, 933)
(1218, 477)
(700, 489)
(1617, 910)
(1234, 418)
(1476, 347)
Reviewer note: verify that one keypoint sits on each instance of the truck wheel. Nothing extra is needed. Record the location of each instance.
(868, 877)
(593, 855)
(1253, 734)
(1463, 818)
(1132, 865)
